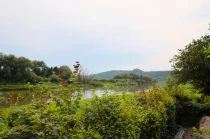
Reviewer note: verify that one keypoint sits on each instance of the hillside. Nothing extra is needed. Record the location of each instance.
(160, 75)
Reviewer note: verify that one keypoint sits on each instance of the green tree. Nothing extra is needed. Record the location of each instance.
(54, 78)
(14, 69)
(1, 67)
(190, 65)
(23, 70)
(66, 72)
(56, 70)
(40, 68)
(8, 67)
(140, 79)
(49, 72)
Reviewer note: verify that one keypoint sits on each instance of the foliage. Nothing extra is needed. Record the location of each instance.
(186, 92)
(22, 70)
(153, 114)
(54, 118)
(7, 87)
(144, 116)
(207, 53)
(39, 68)
(66, 72)
(191, 105)
(1, 100)
(161, 101)
(149, 115)
(83, 76)
(54, 78)
(110, 82)
(140, 79)
(13, 68)
(202, 133)
(112, 118)
(191, 64)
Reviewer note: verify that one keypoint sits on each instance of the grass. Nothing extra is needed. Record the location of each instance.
(19, 86)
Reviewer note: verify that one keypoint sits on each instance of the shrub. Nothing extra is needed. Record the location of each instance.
(117, 117)
(111, 117)
(160, 101)
(188, 104)
(54, 78)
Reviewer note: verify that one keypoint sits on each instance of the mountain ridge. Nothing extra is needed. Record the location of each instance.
(160, 75)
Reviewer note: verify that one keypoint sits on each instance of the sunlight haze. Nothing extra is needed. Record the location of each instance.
(102, 34)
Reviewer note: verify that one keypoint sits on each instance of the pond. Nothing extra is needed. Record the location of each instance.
(22, 97)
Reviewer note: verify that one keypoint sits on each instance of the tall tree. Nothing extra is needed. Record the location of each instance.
(40, 68)
(23, 69)
(190, 65)
(1, 67)
(56, 70)
(49, 72)
(8, 67)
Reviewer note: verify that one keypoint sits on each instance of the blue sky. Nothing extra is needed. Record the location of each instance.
(102, 34)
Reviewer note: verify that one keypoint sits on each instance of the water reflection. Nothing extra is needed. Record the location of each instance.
(10, 97)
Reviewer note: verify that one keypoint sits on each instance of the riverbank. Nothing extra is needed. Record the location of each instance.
(128, 115)
(93, 84)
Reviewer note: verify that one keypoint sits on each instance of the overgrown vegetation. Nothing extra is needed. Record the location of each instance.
(115, 116)
(15, 72)
(22, 70)
(139, 79)
(156, 114)
(191, 65)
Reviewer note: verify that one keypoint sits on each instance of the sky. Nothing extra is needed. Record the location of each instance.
(102, 34)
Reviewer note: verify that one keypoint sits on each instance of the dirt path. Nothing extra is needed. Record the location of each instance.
(188, 134)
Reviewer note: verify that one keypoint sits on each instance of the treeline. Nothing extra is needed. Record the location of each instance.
(20, 69)
(140, 79)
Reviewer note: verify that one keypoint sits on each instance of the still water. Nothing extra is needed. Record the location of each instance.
(22, 97)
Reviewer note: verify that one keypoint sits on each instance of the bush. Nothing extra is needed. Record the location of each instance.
(153, 114)
(111, 117)
(54, 78)
(143, 116)
(37, 120)
(160, 101)
(188, 104)
(39, 79)
(117, 117)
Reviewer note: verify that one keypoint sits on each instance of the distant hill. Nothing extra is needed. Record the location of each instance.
(160, 75)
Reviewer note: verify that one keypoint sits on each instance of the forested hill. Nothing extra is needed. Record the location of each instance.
(160, 75)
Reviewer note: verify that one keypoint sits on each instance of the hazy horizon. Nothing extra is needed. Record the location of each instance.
(103, 35)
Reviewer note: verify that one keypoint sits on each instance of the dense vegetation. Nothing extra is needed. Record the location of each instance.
(159, 75)
(22, 70)
(191, 65)
(156, 114)
(116, 116)
(15, 72)
(140, 79)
